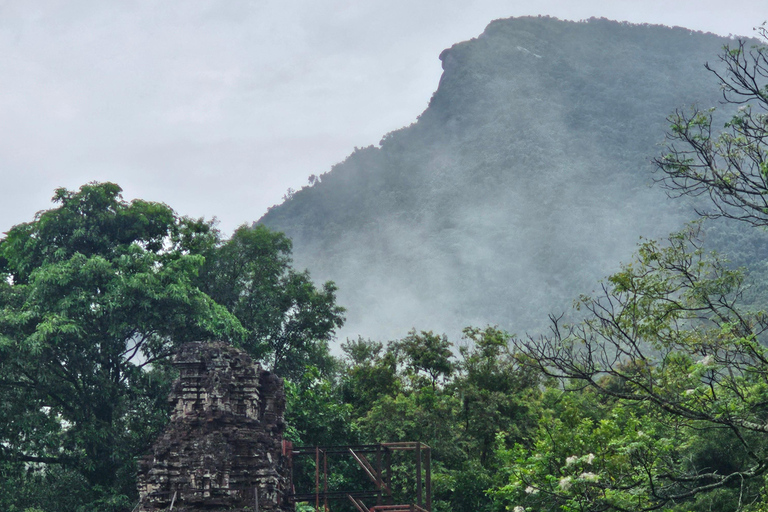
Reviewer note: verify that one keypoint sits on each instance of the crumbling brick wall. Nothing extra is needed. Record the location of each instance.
(223, 449)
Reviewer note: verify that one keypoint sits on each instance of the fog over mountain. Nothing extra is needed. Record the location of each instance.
(525, 181)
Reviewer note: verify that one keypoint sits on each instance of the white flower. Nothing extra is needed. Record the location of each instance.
(571, 460)
(565, 483)
(590, 458)
(518, 509)
(690, 391)
(531, 490)
(588, 476)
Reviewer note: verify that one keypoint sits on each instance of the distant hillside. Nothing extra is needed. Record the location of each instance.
(525, 181)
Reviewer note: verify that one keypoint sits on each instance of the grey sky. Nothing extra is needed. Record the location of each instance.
(217, 107)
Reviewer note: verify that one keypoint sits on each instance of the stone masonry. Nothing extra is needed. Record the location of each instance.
(223, 449)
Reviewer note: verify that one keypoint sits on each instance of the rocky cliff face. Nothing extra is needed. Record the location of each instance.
(223, 449)
(525, 181)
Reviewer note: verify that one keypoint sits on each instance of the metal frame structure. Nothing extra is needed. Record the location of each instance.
(379, 472)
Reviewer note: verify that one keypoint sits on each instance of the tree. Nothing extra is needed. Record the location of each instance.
(498, 390)
(288, 321)
(731, 168)
(95, 295)
(316, 415)
(370, 374)
(426, 353)
(497, 397)
(672, 362)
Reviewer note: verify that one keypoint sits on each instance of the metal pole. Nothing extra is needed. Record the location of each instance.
(173, 500)
(292, 489)
(418, 474)
(388, 462)
(317, 479)
(380, 479)
(256, 499)
(325, 476)
(429, 479)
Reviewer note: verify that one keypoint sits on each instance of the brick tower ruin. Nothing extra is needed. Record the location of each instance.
(223, 449)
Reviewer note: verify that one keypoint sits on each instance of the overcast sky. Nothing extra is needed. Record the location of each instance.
(217, 107)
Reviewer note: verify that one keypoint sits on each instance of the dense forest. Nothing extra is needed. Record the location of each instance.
(650, 395)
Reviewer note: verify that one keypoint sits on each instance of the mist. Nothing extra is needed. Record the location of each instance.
(526, 181)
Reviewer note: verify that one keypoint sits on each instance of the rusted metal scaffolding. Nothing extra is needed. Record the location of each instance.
(379, 472)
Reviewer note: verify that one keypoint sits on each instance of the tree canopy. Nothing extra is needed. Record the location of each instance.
(671, 364)
(94, 296)
(288, 321)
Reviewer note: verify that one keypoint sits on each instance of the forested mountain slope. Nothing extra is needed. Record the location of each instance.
(526, 180)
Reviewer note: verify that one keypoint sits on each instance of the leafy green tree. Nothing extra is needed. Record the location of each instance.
(95, 295)
(729, 167)
(674, 361)
(93, 292)
(499, 392)
(396, 393)
(415, 390)
(370, 374)
(288, 321)
(426, 354)
(316, 415)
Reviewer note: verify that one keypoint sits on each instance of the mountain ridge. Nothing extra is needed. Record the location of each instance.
(524, 181)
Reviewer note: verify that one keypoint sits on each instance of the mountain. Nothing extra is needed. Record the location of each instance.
(525, 181)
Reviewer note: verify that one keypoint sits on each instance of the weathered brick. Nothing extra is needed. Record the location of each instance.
(225, 438)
